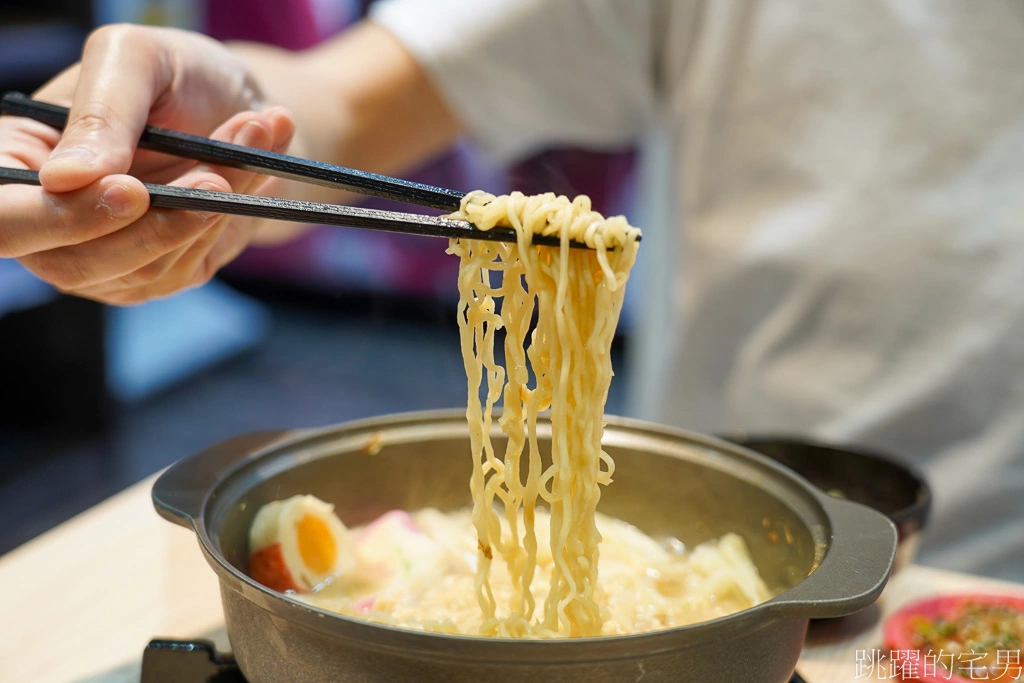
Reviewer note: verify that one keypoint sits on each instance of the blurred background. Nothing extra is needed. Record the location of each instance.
(337, 325)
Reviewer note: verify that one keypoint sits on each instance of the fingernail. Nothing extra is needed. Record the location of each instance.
(75, 154)
(119, 201)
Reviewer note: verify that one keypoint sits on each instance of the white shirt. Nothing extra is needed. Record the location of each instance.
(849, 208)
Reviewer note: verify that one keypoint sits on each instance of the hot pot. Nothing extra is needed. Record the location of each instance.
(824, 556)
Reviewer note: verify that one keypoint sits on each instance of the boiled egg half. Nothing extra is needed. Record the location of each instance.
(297, 544)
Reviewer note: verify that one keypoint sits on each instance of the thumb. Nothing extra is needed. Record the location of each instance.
(115, 91)
(93, 145)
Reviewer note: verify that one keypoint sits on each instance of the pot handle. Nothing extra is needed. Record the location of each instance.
(854, 571)
(179, 492)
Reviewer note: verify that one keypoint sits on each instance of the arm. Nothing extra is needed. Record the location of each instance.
(515, 74)
(361, 98)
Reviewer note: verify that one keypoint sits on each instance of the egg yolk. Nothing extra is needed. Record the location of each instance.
(316, 544)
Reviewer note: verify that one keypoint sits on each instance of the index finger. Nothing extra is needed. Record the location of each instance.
(121, 74)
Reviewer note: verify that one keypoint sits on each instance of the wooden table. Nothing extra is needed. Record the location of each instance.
(80, 602)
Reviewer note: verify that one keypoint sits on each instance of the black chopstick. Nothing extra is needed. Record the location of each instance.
(274, 208)
(268, 163)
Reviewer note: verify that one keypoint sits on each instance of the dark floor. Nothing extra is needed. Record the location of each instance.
(326, 361)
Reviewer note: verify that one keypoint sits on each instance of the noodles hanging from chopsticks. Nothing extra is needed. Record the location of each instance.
(577, 296)
(537, 531)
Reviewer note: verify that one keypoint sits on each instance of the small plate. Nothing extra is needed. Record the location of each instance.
(898, 629)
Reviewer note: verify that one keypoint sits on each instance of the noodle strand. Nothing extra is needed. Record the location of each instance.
(577, 295)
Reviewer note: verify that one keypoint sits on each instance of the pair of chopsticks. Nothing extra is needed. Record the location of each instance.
(205, 150)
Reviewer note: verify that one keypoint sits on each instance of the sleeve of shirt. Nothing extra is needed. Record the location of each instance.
(523, 74)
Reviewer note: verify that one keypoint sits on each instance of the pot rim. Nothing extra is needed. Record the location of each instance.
(816, 598)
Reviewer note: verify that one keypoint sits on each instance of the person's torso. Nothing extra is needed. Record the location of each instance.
(852, 191)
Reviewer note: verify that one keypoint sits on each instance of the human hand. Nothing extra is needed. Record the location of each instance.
(89, 230)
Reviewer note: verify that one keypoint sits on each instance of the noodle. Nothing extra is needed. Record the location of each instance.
(532, 570)
(577, 295)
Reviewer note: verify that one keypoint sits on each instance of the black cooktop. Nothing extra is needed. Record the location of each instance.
(198, 661)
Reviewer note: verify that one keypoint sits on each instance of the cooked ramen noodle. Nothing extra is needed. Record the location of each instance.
(577, 295)
(525, 561)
